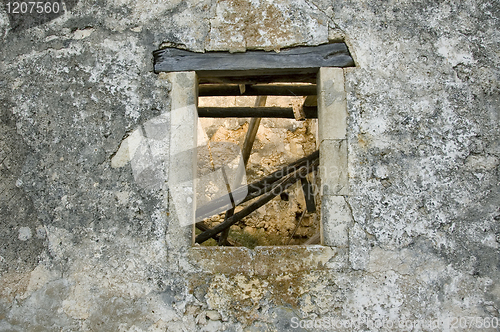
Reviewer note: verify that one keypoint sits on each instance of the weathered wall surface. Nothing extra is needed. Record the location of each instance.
(83, 244)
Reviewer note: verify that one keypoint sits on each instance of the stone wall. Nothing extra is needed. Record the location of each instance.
(83, 243)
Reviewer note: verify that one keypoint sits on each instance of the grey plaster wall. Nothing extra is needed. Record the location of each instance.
(83, 245)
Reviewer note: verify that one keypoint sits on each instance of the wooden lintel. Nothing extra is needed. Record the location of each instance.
(208, 90)
(309, 58)
(254, 112)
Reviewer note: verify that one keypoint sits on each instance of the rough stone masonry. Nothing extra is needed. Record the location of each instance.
(84, 247)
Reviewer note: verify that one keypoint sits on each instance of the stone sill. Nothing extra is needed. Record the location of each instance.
(269, 260)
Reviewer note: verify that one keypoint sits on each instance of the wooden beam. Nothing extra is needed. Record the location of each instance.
(203, 227)
(254, 112)
(327, 55)
(276, 175)
(258, 76)
(209, 90)
(253, 127)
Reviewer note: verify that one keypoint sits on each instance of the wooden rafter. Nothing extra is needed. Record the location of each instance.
(213, 90)
(255, 112)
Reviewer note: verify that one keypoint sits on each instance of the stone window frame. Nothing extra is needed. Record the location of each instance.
(336, 218)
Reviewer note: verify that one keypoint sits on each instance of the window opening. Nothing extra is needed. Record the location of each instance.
(279, 153)
(258, 73)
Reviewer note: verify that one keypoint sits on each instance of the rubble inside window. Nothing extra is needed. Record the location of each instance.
(275, 201)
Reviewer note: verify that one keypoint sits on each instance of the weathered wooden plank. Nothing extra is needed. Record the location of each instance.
(327, 55)
(258, 76)
(254, 112)
(209, 90)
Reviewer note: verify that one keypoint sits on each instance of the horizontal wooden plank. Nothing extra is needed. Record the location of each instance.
(258, 76)
(254, 112)
(208, 90)
(311, 58)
